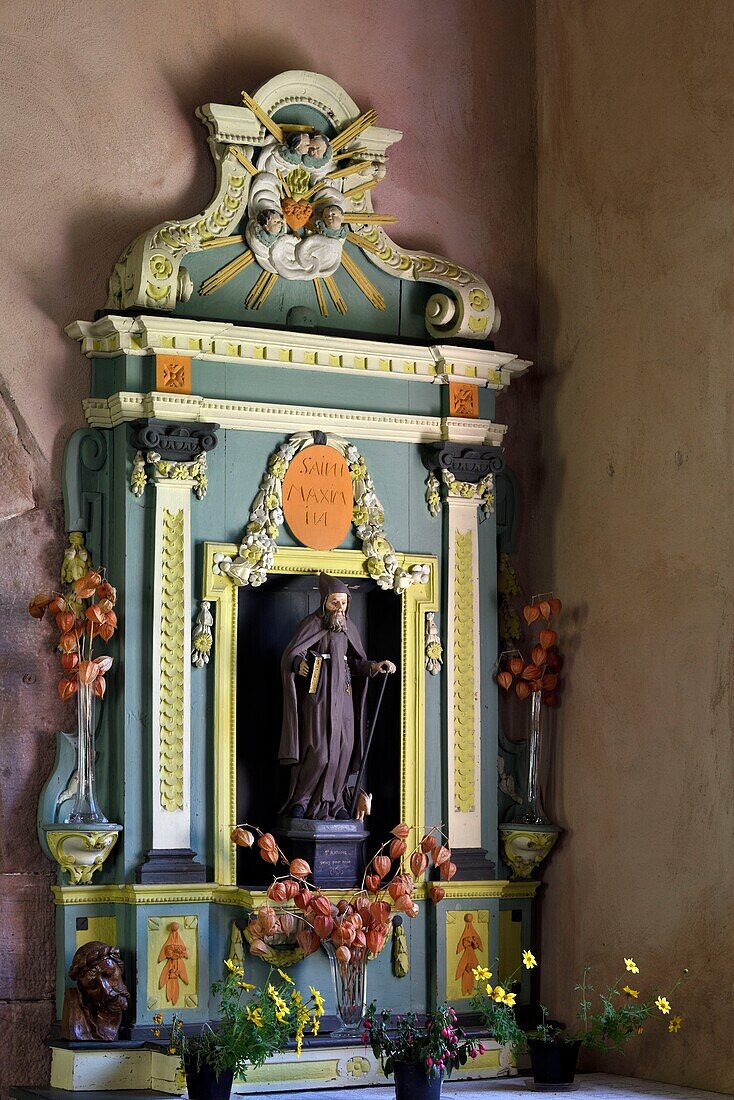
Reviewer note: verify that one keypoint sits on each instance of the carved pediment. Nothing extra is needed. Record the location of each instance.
(297, 168)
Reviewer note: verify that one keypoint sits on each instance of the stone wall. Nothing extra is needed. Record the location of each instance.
(630, 511)
(101, 143)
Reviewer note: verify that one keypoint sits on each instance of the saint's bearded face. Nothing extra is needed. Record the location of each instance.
(335, 611)
(101, 986)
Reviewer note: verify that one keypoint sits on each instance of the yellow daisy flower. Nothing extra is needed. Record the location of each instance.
(499, 995)
(488, 989)
(510, 999)
(631, 992)
(481, 973)
(318, 1001)
(234, 968)
(285, 976)
(315, 1025)
(528, 960)
(663, 1004)
(632, 966)
(675, 1024)
(245, 985)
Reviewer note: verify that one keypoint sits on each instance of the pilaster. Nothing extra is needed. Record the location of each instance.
(177, 466)
(467, 488)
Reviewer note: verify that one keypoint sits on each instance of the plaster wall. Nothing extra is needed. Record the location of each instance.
(101, 143)
(630, 508)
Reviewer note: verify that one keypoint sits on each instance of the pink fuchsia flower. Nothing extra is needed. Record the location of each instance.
(482, 1048)
(429, 1062)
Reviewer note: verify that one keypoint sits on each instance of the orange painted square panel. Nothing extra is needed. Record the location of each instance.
(463, 399)
(173, 373)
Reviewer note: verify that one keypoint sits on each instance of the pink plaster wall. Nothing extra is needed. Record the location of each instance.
(630, 512)
(100, 143)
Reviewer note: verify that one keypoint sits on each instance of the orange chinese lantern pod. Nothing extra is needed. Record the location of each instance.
(68, 642)
(64, 621)
(67, 687)
(343, 906)
(88, 672)
(277, 891)
(362, 905)
(307, 940)
(259, 948)
(255, 930)
(343, 934)
(299, 868)
(87, 585)
(548, 638)
(287, 923)
(396, 889)
(99, 687)
(418, 863)
(550, 699)
(242, 837)
(95, 614)
(516, 665)
(372, 883)
(107, 591)
(398, 848)
(104, 663)
(443, 855)
(548, 683)
(321, 905)
(270, 855)
(360, 939)
(538, 655)
(447, 871)
(530, 613)
(302, 899)
(555, 605)
(522, 689)
(57, 604)
(400, 831)
(381, 865)
(553, 659)
(374, 941)
(380, 911)
(268, 919)
(69, 661)
(266, 840)
(105, 631)
(291, 889)
(544, 609)
(429, 842)
(504, 679)
(39, 603)
(436, 894)
(407, 905)
(531, 672)
(343, 954)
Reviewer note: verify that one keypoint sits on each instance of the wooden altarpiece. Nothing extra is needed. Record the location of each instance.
(225, 337)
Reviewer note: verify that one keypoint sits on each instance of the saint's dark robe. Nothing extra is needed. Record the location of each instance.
(323, 734)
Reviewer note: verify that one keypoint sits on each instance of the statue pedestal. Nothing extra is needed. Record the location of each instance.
(333, 849)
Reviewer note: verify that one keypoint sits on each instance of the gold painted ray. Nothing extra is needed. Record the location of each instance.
(356, 218)
(295, 128)
(358, 191)
(340, 173)
(262, 116)
(219, 242)
(350, 132)
(368, 288)
(336, 295)
(224, 274)
(320, 297)
(363, 243)
(244, 160)
(284, 184)
(261, 289)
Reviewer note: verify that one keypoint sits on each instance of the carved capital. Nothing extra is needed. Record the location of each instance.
(466, 463)
(171, 440)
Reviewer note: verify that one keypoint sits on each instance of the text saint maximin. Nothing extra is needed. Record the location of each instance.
(309, 495)
(322, 740)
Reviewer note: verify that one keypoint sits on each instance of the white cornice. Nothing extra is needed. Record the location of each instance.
(224, 342)
(249, 416)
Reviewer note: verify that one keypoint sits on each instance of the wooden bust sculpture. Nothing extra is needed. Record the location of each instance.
(94, 1009)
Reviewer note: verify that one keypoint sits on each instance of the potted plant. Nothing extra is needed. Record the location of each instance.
(418, 1051)
(255, 1022)
(606, 1021)
(357, 927)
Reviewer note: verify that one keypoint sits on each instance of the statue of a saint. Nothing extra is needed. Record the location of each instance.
(93, 1010)
(325, 672)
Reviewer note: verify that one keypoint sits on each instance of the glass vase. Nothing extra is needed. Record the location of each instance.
(350, 989)
(531, 811)
(85, 810)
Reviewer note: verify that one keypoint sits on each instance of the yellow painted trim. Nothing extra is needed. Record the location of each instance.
(211, 892)
(172, 657)
(416, 601)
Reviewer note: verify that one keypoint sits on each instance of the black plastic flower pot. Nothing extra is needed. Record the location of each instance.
(553, 1063)
(413, 1083)
(203, 1085)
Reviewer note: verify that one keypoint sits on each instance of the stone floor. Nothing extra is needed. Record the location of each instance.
(598, 1086)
